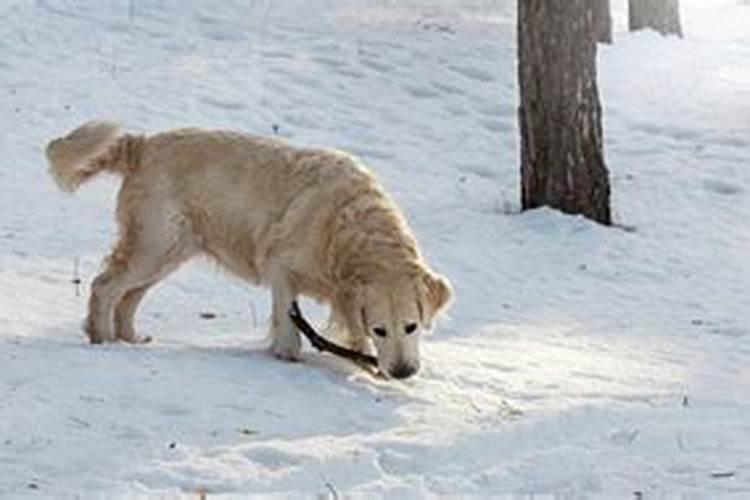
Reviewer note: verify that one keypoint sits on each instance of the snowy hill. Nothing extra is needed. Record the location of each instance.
(577, 360)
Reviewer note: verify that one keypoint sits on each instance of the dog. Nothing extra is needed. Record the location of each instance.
(302, 221)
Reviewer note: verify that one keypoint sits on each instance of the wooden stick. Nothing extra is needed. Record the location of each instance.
(322, 344)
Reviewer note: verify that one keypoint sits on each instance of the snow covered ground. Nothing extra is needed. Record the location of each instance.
(577, 361)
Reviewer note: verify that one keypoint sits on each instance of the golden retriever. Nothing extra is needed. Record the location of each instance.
(303, 221)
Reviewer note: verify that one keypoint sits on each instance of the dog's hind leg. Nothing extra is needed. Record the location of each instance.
(148, 250)
(126, 308)
(125, 314)
(286, 343)
(98, 325)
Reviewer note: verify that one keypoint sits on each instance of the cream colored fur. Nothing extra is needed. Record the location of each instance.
(302, 221)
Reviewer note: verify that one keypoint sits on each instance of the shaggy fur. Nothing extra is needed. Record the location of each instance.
(302, 221)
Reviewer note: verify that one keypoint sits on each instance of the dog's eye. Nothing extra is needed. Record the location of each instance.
(379, 331)
(410, 328)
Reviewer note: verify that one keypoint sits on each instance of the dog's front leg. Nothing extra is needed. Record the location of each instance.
(286, 343)
(353, 340)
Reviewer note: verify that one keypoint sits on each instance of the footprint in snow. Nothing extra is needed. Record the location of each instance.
(375, 154)
(276, 54)
(592, 376)
(496, 125)
(174, 410)
(484, 171)
(736, 141)
(303, 120)
(349, 72)
(398, 460)
(421, 92)
(473, 73)
(223, 104)
(721, 187)
(325, 47)
(329, 62)
(380, 67)
(731, 331)
(447, 88)
(271, 458)
(491, 109)
(299, 79)
(456, 110)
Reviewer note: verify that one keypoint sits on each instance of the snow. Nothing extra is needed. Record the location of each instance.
(577, 361)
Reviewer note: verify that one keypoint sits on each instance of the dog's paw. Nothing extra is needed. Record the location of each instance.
(135, 339)
(96, 337)
(285, 352)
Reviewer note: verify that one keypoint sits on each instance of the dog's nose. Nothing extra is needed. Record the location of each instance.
(403, 370)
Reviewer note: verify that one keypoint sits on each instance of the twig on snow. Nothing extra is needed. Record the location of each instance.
(333, 491)
(324, 345)
(722, 474)
(76, 280)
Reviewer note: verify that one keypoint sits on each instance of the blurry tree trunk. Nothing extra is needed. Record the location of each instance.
(603, 21)
(562, 159)
(660, 15)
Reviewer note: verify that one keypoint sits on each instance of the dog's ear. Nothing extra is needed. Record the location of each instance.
(437, 294)
(439, 291)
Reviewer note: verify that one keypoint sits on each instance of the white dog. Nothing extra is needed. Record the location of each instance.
(303, 221)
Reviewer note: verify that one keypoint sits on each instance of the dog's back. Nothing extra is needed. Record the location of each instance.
(248, 199)
(242, 199)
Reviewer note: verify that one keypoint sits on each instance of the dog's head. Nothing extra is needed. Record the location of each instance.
(394, 313)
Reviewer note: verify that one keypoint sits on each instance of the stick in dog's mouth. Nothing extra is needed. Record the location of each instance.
(324, 345)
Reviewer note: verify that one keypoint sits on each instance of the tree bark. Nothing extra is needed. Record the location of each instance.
(603, 21)
(660, 15)
(562, 159)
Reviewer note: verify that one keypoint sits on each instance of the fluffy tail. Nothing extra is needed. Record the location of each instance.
(92, 148)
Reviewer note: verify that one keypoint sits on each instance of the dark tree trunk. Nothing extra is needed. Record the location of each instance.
(562, 159)
(603, 21)
(660, 15)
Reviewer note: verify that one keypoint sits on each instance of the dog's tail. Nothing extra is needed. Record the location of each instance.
(92, 148)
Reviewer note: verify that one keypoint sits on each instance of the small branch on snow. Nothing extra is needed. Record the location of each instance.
(327, 483)
(722, 474)
(333, 491)
(324, 345)
(76, 279)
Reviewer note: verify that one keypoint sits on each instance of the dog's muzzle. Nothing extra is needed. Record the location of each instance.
(403, 370)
